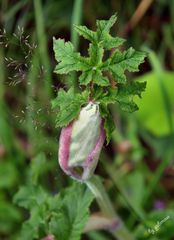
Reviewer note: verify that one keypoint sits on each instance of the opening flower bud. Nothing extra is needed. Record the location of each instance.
(81, 143)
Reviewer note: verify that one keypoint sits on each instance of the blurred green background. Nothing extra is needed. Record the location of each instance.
(137, 165)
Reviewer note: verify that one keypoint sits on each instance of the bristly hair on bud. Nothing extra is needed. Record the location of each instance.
(94, 71)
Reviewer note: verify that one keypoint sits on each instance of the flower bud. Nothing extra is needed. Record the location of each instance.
(81, 142)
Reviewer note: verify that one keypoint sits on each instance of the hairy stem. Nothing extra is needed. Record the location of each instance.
(118, 230)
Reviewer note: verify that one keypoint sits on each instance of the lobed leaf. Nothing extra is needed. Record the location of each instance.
(96, 54)
(86, 33)
(85, 77)
(99, 79)
(69, 105)
(112, 42)
(68, 223)
(126, 93)
(68, 59)
(121, 61)
(29, 196)
(108, 96)
(104, 26)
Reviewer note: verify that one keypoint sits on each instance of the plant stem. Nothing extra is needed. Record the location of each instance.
(138, 214)
(30, 114)
(76, 19)
(42, 45)
(119, 230)
(157, 176)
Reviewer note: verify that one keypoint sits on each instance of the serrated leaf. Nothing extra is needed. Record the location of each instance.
(112, 42)
(29, 196)
(104, 26)
(95, 54)
(69, 221)
(99, 79)
(126, 93)
(85, 77)
(109, 124)
(68, 59)
(133, 88)
(97, 93)
(109, 127)
(106, 97)
(69, 105)
(86, 33)
(127, 105)
(121, 61)
(30, 228)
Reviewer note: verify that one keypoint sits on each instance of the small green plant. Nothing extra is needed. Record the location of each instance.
(104, 82)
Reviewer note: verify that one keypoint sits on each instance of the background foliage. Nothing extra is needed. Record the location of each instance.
(137, 165)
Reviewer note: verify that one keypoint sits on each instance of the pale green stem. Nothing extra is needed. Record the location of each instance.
(76, 19)
(97, 188)
(42, 45)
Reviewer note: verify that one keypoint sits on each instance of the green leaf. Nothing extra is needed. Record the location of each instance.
(96, 54)
(69, 105)
(121, 61)
(104, 38)
(104, 26)
(86, 33)
(99, 79)
(123, 94)
(133, 88)
(38, 166)
(106, 96)
(68, 223)
(127, 105)
(29, 196)
(68, 59)
(85, 77)
(34, 198)
(30, 228)
(112, 42)
(126, 93)
(109, 124)
(9, 217)
(94, 74)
